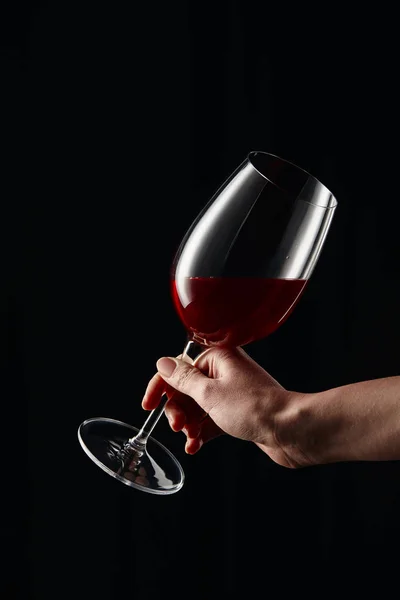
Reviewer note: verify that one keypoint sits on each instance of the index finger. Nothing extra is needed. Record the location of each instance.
(155, 389)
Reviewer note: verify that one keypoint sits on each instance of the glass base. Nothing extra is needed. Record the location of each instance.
(153, 469)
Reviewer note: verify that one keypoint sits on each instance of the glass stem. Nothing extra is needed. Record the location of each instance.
(190, 353)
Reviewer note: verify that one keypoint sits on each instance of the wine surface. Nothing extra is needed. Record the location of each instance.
(234, 311)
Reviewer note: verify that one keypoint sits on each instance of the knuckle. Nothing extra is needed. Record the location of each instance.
(183, 377)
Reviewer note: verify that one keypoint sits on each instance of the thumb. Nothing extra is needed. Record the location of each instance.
(183, 377)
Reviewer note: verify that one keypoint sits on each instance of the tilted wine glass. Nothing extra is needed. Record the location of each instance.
(239, 272)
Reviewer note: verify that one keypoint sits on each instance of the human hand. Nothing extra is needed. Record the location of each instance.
(237, 396)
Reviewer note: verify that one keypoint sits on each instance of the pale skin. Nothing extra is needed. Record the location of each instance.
(356, 422)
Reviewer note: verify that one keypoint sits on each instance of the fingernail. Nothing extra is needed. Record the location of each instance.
(166, 366)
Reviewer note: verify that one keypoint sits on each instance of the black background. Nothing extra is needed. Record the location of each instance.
(119, 120)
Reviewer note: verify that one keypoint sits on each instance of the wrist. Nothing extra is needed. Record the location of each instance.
(293, 430)
(287, 427)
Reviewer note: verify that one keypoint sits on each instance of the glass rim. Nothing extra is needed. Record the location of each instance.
(331, 201)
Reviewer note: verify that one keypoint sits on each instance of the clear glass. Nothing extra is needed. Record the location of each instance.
(239, 272)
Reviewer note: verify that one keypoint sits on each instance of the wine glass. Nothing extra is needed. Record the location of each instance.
(238, 273)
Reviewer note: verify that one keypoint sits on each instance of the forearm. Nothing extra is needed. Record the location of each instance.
(356, 422)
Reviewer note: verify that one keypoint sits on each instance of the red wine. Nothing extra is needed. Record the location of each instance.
(234, 311)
